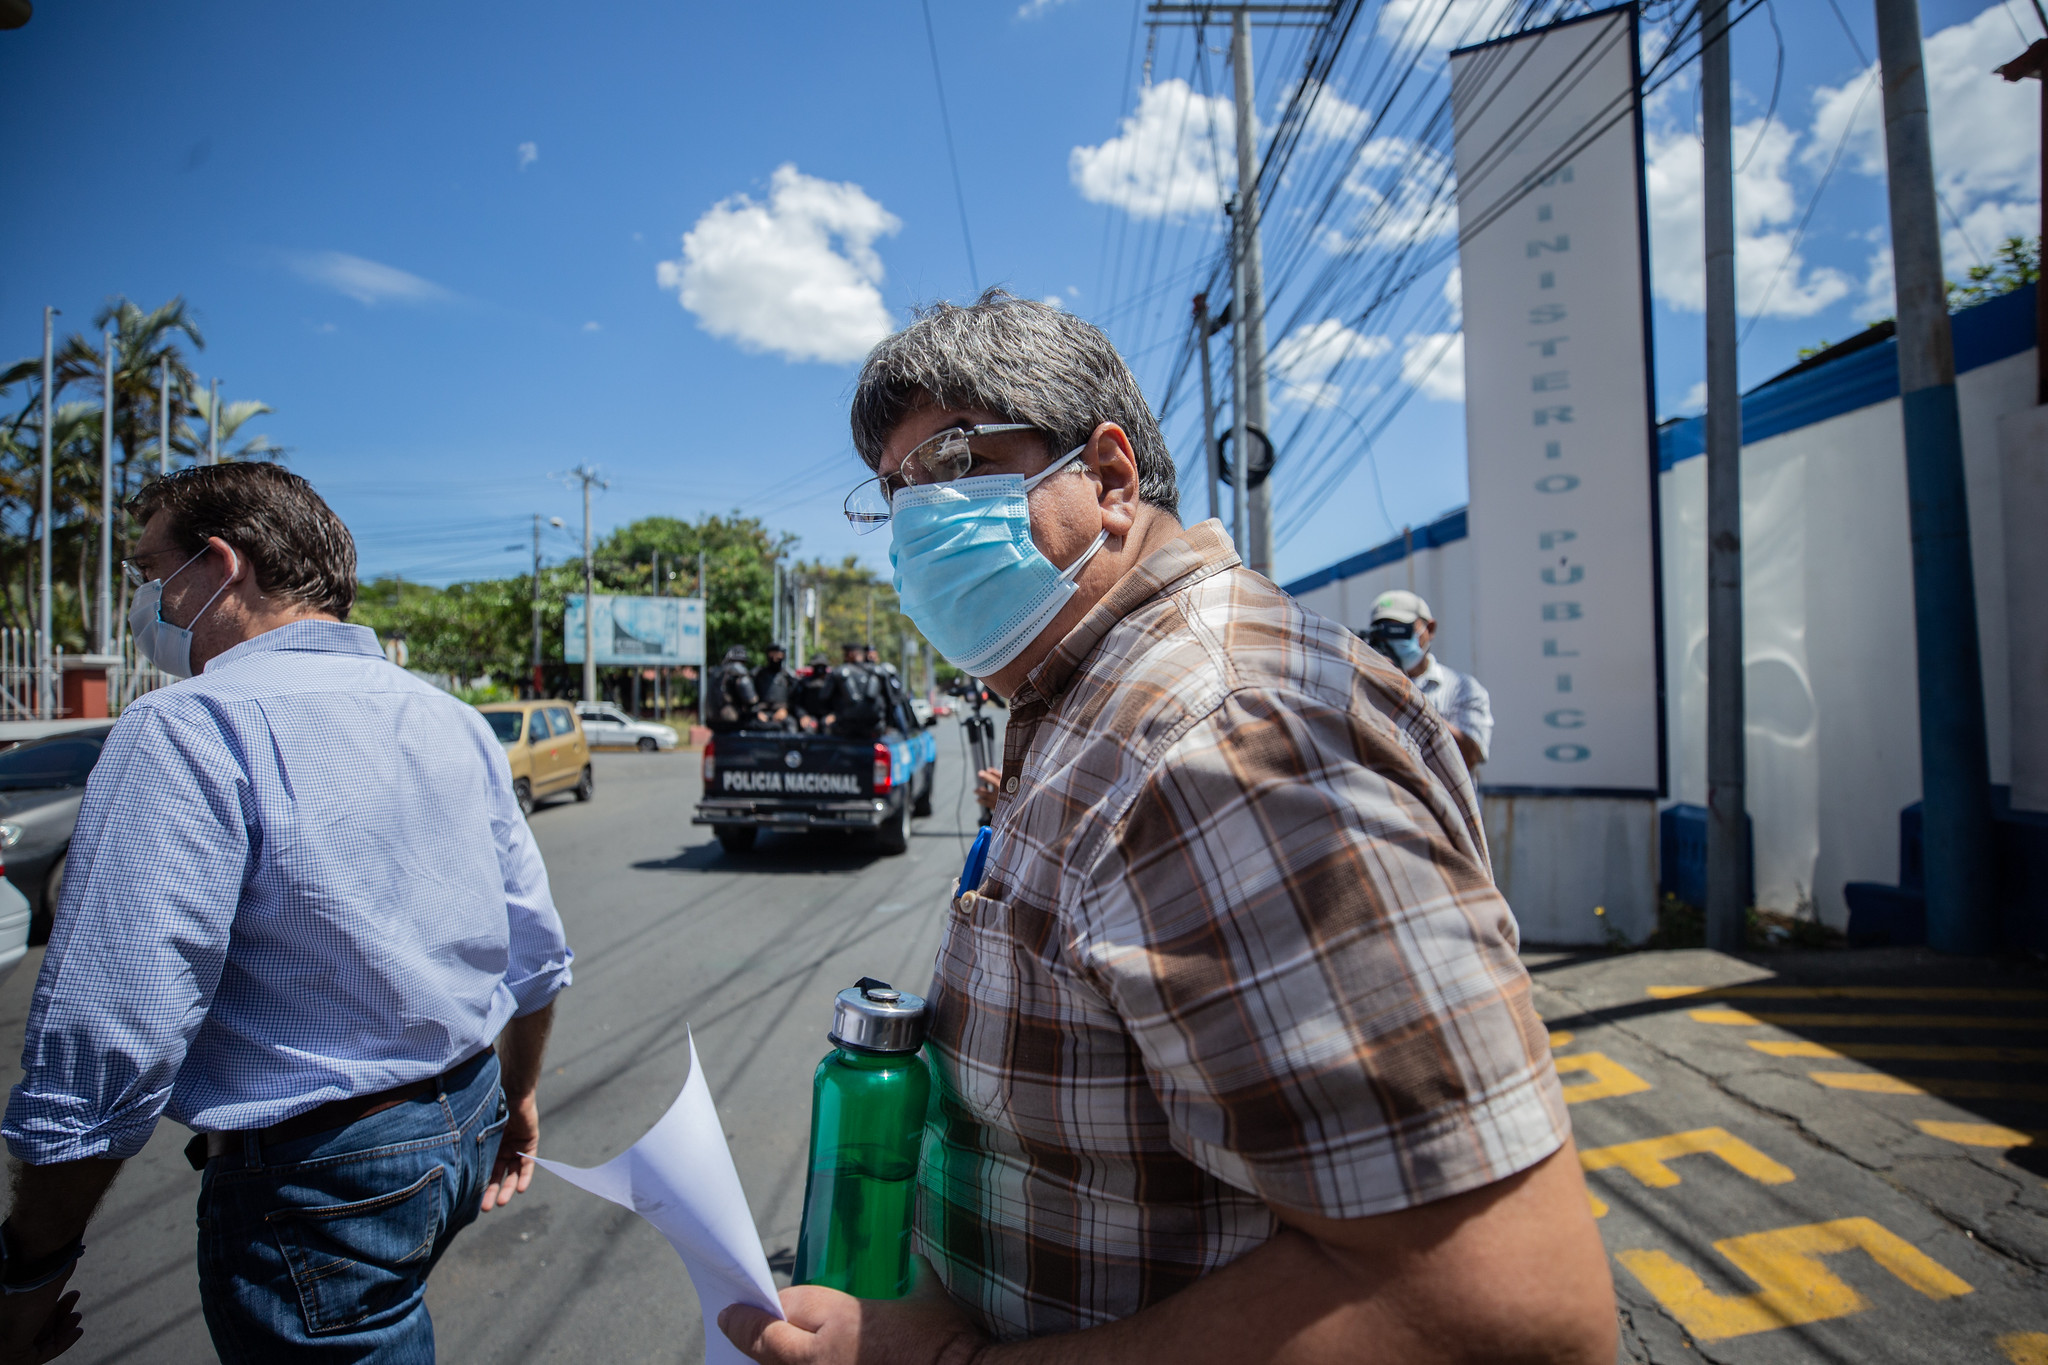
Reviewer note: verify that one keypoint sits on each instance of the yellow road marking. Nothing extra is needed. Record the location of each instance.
(1647, 1159)
(1793, 1285)
(1846, 993)
(1878, 1083)
(2025, 1348)
(1900, 1052)
(1610, 1078)
(1979, 1135)
(1561, 1038)
(1823, 1019)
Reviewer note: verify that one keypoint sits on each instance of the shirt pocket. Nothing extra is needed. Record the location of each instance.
(977, 988)
(365, 1263)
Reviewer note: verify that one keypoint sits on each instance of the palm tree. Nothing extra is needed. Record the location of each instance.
(146, 345)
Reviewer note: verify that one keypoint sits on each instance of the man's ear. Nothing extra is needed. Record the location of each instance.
(1115, 465)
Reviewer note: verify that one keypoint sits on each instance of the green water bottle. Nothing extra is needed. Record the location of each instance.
(867, 1120)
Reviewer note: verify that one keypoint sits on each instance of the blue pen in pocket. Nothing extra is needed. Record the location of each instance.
(977, 860)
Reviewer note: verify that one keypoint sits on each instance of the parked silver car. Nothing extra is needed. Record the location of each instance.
(609, 727)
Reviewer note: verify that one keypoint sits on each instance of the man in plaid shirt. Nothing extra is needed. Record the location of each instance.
(1235, 1057)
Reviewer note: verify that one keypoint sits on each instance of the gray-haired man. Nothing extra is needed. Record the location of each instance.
(1235, 1059)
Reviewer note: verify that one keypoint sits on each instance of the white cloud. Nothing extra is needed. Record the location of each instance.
(1308, 357)
(1695, 400)
(797, 276)
(1765, 208)
(1176, 155)
(529, 152)
(593, 327)
(1879, 298)
(1440, 27)
(1035, 9)
(1406, 193)
(1985, 132)
(1329, 117)
(1434, 362)
(1454, 293)
(367, 282)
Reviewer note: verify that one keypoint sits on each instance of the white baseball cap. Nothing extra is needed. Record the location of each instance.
(1400, 606)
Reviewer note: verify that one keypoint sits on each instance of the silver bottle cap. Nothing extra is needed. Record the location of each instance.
(873, 1016)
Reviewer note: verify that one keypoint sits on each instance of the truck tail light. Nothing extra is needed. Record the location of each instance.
(884, 770)
(710, 765)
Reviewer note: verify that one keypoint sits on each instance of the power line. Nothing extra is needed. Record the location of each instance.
(946, 122)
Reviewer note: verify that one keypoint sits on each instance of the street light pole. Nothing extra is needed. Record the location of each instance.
(1727, 776)
(536, 605)
(104, 607)
(1955, 778)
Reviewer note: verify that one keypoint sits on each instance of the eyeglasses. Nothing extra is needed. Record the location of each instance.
(941, 459)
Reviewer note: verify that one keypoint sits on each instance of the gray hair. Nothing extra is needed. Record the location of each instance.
(1022, 360)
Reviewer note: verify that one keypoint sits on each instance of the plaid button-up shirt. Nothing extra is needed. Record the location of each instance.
(1237, 945)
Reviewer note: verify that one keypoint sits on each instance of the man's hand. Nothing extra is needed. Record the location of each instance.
(520, 1048)
(39, 1326)
(985, 783)
(511, 1173)
(826, 1327)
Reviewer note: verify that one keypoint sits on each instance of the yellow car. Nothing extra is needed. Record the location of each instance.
(546, 747)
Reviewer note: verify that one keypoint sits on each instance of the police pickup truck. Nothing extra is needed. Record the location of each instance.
(772, 779)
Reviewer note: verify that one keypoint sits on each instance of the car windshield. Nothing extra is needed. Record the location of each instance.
(47, 763)
(505, 725)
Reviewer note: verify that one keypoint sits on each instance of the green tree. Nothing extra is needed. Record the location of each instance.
(2016, 263)
(147, 342)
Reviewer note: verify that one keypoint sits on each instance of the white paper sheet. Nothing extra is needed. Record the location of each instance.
(680, 1178)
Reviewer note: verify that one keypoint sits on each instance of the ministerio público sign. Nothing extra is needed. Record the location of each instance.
(649, 631)
(1561, 445)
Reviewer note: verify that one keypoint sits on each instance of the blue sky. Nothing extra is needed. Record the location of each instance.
(445, 242)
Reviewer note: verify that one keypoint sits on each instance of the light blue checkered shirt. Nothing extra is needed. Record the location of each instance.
(299, 876)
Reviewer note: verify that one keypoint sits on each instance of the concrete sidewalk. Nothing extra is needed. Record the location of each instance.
(1837, 1156)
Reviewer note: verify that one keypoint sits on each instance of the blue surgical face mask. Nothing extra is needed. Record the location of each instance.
(167, 646)
(1408, 652)
(967, 571)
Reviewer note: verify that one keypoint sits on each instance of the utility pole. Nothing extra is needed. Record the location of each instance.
(1240, 433)
(43, 529)
(1727, 806)
(163, 417)
(1250, 305)
(1252, 526)
(1955, 779)
(1203, 330)
(213, 425)
(104, 607)
(587, 476)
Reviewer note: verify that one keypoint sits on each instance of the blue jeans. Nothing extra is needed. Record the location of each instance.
(318, 1249)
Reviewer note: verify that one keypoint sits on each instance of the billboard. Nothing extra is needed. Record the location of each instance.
(1558, 410)
(648, 631)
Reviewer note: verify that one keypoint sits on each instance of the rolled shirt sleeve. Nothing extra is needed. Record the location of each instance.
(1295, 922)
(151, 885)
(537, 969)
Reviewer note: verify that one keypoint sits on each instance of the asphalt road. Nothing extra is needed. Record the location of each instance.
(671, 937)
(1825, 1161)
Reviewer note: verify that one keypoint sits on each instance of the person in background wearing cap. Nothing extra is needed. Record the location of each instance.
(1401, 628)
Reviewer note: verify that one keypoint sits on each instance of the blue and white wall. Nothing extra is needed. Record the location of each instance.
(1832, 700)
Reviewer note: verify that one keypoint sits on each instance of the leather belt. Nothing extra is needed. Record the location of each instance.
(325, 1117)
